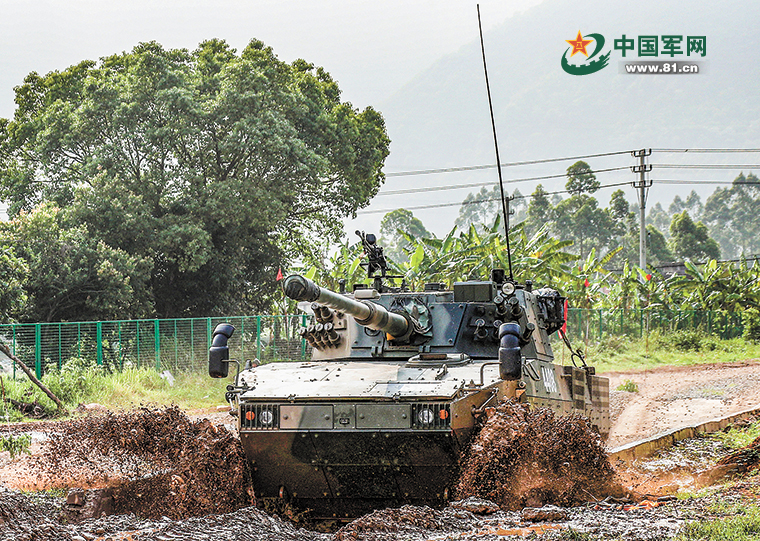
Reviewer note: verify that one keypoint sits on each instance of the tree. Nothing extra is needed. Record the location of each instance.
(540, 210)
(13, 274)
(581, 179)
(579, 218)
(659, 218)
(691, 240)
(71, 275)
(733, 216)
(693, 204)
(657, 247)
(393, 226)
(482, 208)
(215, 167)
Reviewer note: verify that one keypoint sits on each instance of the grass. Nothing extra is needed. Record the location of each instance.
(628, 386)
(76, 384)
(737, 438)
(682, 348)
(744, 526)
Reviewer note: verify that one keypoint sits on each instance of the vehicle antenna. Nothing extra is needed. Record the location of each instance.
(496, 145)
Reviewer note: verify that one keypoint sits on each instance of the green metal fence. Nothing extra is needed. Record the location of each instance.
(595, 324)
(166, 344)
(182, 344)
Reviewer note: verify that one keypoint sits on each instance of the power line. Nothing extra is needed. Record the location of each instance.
(704, 166)
(481, 184)
(698, 182)
(487, 200)
(493, 166)
(706, 150)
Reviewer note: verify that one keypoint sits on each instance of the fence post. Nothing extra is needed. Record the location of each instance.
(99, 338)
(14, 351)
(137, 334)
(242, 337)
(157, 344)
(176, 346)
(121, 351)
(601, 324)
(258, 337)
(38, 350)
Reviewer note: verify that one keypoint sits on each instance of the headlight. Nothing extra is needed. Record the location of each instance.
(425, 417)
(508, 288)
(266, 418)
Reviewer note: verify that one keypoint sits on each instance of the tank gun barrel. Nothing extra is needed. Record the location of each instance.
(366, 313)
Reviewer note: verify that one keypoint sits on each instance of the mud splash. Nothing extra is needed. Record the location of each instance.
(158, 462)
(528, 457)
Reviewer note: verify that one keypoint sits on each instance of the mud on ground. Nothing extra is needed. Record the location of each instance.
(171, 477)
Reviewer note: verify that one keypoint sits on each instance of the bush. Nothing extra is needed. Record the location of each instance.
(751, 322)
(628, 386)
(16, 445)
(684, 340)
(76, 381)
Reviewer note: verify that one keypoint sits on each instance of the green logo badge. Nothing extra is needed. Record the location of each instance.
(592, 64)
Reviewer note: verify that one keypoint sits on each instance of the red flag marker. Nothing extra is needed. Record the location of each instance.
(586, 283)
(279, 274)
(649, 277)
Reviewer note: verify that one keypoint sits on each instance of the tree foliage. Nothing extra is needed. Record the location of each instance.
(691, 240)
(393, 228)
(213, 167)
(71, 274)
(581, 179)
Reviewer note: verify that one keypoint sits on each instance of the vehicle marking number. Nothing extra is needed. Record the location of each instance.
(550, 382)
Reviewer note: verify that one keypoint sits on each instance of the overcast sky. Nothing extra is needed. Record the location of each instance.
(371, 48)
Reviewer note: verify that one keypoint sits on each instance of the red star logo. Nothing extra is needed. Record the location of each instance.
(579, 44)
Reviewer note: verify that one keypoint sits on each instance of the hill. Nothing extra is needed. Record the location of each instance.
(440, 119)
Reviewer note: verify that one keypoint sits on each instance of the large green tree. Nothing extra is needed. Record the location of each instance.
(214, 166)
(580, 219)
(393, 227)
(581, 179)
(691, 240)
(71, 274)
(733, 216)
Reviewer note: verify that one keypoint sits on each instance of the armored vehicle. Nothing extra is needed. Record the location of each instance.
(397, 382)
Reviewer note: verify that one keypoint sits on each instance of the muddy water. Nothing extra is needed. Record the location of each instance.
(528, 457)
(166, 468)
(157, 461)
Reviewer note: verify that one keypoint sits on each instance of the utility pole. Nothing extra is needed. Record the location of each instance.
(643, 185)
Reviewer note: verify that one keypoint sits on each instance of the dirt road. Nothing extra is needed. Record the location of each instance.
(673, 396)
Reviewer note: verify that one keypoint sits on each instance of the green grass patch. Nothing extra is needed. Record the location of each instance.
(682, 348)
(628, 386)
(738, 437)
(744, 526)
(79, 383)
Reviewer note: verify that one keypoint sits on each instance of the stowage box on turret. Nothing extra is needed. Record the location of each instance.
(397, 382)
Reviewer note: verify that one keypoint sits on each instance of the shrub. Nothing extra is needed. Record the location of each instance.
(682, 340)
(629, 386)
(751, 322)
(16, 445)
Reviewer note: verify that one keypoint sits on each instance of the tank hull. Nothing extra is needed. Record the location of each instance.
(327, 449)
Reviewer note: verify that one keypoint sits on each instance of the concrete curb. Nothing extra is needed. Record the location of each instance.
(644, 448)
